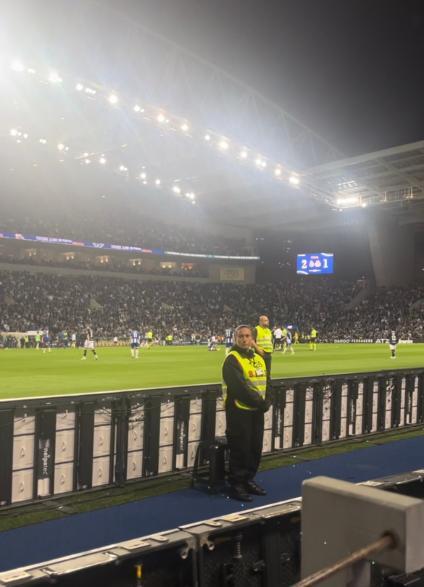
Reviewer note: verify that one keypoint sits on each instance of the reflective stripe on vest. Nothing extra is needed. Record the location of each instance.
(264, 339)
(256, 381)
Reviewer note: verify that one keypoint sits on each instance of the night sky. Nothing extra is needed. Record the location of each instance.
(353, 70)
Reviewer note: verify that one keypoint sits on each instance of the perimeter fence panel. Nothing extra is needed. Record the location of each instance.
(61, 445)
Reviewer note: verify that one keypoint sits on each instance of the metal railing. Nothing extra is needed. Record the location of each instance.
(60, 445)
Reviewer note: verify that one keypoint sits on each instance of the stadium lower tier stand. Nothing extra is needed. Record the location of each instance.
(112, 306)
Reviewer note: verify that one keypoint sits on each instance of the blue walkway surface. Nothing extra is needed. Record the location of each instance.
(80, 532)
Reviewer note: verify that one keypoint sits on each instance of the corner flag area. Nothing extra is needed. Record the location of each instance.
(30, 373)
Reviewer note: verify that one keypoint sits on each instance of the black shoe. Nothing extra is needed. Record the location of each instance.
(254, 489)
(239, 492)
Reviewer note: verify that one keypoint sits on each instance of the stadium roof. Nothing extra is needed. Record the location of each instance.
(391, 176)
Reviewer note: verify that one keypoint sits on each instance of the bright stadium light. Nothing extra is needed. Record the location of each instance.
(13, 132)
(60, 147)
(364, 205)
(79, 87)
(348, 201)
(123, 168)
(138, 108)
(294, 180)
(102, 160)
(31, 70)
(223, 145)
(207, 137)
(113, 99)
(25, 135)
(184, 127)
(87, 161)
(277, 171)
(43, 141)
(243, 154)
(157, 182)
(161, 117)
(176, 189)
(17, 65)
(90, 91)
(54, 78)
(190, 196)
(143, 175)
(260, 162)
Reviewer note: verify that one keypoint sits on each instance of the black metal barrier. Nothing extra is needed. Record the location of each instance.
(252, 548)
(60, 445)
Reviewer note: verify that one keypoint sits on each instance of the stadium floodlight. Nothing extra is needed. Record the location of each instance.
(90, 91)
(113, 99)
(157, 181)
(138, 108)
(87, 161)
(184, 127)
(102, 160)
(25, 135)
(79, 87)
(14, 132)
(54, 78)
(85, 154)
(243, 154)
(260, 162)
(143, 175)
(60, 147)
(294, 179)
(277, 171)
(190, 196)
(17, 65)
(43, 141)
(348, 201)
(123, 168)
(223, 145)
(176, 189)
(207, 137)
(161, 117)
(31, 70)
(364, 205)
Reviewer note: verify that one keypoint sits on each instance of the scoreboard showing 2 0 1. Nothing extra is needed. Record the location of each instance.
(315, 263)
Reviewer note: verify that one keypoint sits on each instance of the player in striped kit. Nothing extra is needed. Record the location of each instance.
(229, 339)
(135, 341)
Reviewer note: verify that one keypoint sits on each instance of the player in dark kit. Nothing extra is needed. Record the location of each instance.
(393, 341)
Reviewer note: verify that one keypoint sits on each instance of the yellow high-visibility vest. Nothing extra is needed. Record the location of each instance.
(264, 339)
(313, 333)
(254, 371)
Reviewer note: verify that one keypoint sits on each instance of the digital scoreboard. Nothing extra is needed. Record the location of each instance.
(315, 264)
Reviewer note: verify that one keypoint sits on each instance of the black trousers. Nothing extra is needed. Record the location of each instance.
(268, 358)
(245, 431)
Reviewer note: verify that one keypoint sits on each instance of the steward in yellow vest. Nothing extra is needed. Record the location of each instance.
(245, 384)
(263, 343)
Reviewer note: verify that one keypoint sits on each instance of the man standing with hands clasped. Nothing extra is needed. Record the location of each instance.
(246, 401)
(262, 343)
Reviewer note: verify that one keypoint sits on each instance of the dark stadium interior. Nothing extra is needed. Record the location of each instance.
(171, 169)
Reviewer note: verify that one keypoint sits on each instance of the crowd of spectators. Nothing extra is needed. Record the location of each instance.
(112, 306)
(142, 231)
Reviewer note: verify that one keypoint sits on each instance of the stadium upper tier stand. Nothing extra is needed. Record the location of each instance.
(135, 230)
(112, 306)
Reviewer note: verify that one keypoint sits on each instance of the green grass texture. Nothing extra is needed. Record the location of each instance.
(31, 373)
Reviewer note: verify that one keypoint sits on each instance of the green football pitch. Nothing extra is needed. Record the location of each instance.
(29, 373)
